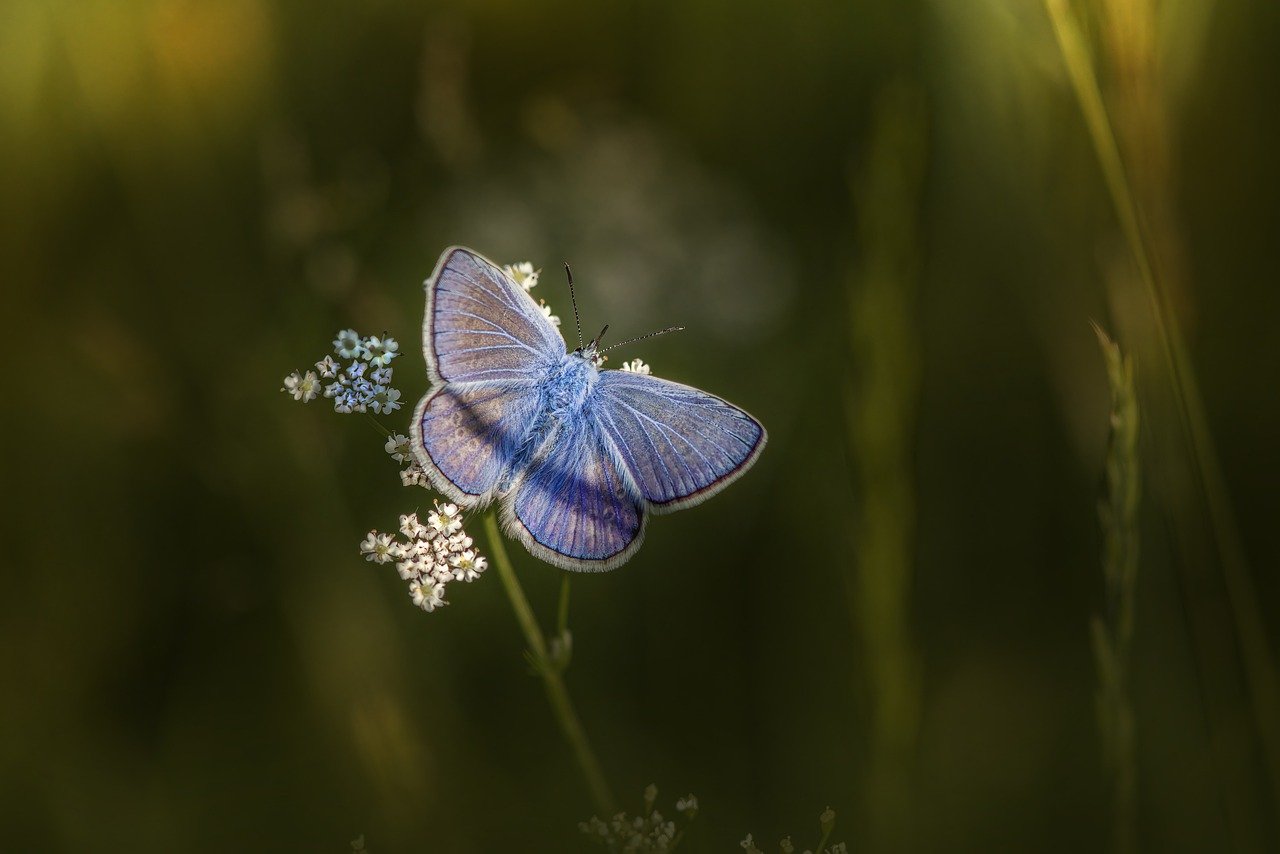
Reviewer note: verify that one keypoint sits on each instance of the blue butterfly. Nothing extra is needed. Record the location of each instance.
(578, 457)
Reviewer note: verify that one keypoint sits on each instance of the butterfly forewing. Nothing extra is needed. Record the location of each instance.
(680, 445)
(480, 326)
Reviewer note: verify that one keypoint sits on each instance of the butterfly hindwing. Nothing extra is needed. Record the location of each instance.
(480, 326)
(680, 445)
(574, 506)
(468, 434)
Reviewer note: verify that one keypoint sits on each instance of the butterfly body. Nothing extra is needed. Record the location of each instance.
(578, 457)
(569, 384)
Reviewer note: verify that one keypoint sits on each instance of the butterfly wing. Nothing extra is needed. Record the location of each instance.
(467, 434)
(487, 346)
(480, 326)
(574, 506)
(680, 445)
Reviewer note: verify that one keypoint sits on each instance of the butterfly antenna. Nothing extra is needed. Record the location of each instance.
(576, 322)
(642, 337)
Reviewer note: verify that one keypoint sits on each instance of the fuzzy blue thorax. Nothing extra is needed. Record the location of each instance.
(564, 390)
(569, 383)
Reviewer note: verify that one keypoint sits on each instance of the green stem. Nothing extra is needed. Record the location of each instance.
(562, 613)
(378, 426)
(1250, 631)
(552, 680)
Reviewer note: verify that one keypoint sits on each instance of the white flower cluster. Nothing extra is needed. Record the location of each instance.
(786, 847)
(429, 556)
(635, 366)
(411, 474)
(526, 277)
(362, 385)
(827, 821)
(523, 274)
(546, 312)
(654, 833)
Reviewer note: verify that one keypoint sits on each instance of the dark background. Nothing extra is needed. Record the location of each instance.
(885, 227)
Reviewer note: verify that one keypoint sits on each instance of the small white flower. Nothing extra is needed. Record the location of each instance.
(409, 569)
(398, 447)
(380, 351)
(594, 827)
(427, 593)
(328, 368)
(635, 366)
(838, 848)
(687, 805)
(382, 376)
(348, 344)
(310, 387)
(446, 519)
(377, 547)
(385, 401)
(356, 370)
(546, 312)
(303, 388)
(467, 566)
(419, 550)
(460, 542)
(523, 274)
(412, 528)
(414, 476)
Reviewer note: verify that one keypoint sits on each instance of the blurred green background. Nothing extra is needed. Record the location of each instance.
(885, 227)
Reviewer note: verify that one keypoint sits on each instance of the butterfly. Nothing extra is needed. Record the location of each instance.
(578, 457)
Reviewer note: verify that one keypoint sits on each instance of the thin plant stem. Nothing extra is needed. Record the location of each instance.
(552, 679)
(562, 612)
(828, 827)
(378, 425)
(1241, 594)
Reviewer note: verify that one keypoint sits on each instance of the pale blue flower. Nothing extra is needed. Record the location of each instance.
(380, 351)
(349, 344)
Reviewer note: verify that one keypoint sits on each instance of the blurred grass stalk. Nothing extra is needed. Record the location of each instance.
(1113, 630)
(881, 402)
(550, 672)
(1141, 198)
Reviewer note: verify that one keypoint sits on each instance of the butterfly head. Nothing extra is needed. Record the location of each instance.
(591, 352)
